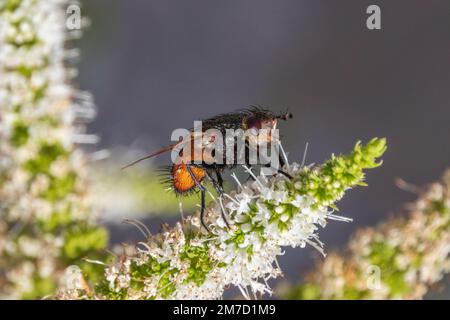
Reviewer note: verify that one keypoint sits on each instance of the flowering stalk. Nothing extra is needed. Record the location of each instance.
(187, 262)
(399, 259)
(45, 207)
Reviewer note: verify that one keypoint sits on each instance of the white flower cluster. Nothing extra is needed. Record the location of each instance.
(264, 215)
(400, 259)
(42, 173)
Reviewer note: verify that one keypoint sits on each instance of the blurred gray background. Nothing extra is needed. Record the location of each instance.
(154, 66)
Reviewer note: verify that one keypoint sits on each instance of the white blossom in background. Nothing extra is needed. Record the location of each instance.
(409, 255)
(45, 205)
(265, 215)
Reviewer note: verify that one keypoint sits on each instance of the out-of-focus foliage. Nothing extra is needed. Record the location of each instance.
(399, 259)
(46, 216)
(136, 192)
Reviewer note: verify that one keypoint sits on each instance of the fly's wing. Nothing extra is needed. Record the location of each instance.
(196, 150)
(151, 155)
(170, 147)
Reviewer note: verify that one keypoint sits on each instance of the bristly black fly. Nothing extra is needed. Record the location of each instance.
(188, 176)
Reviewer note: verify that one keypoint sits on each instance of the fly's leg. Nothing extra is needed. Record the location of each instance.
(250, 177)
(287, 175)
(219, 179)
(219, 189)
(202, 192)
(247, 160)
(202, 212)
(280, 168)
(269, 165)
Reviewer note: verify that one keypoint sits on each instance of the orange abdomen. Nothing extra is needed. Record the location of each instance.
(182, 180)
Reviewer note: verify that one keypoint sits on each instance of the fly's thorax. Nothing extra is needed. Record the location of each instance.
(235, 147)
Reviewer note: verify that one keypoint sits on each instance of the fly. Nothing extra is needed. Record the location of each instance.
(191, 169)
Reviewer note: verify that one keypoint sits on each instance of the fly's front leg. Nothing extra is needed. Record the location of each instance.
(247, 160)
(280, 167)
